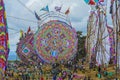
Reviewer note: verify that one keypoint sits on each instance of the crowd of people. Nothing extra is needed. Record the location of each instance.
(64, 70)
(18, 70)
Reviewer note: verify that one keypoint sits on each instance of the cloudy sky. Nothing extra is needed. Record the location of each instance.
(79, 12)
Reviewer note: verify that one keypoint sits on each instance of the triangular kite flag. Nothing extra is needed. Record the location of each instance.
(67, 11)
(36, 15)
(21, 33)
(58, 9)
(45, 9)
(29, 29)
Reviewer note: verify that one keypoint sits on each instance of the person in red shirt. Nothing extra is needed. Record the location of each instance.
(41, 78)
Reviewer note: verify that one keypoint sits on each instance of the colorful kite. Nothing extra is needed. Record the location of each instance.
(115, 15)
(55, 40)
(25, 48)
(98, 45)
(4, 44)
(91, 2)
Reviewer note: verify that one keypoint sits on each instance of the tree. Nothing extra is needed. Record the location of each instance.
(81, 45)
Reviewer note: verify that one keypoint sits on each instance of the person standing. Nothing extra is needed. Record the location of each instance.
(54, 77)
(99, 69)
(41, 78)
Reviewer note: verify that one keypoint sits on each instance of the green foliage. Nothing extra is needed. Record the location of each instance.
(81, 45)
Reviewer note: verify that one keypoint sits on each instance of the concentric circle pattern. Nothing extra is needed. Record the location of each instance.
(55, 40)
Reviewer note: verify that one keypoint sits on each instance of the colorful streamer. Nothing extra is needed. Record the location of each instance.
(112, 41)
(115, 15)
(98, 36)
(4, 43)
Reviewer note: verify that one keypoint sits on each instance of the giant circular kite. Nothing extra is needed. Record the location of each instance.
(55, 40)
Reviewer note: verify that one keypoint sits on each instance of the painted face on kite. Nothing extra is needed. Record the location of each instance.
(55, 40)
